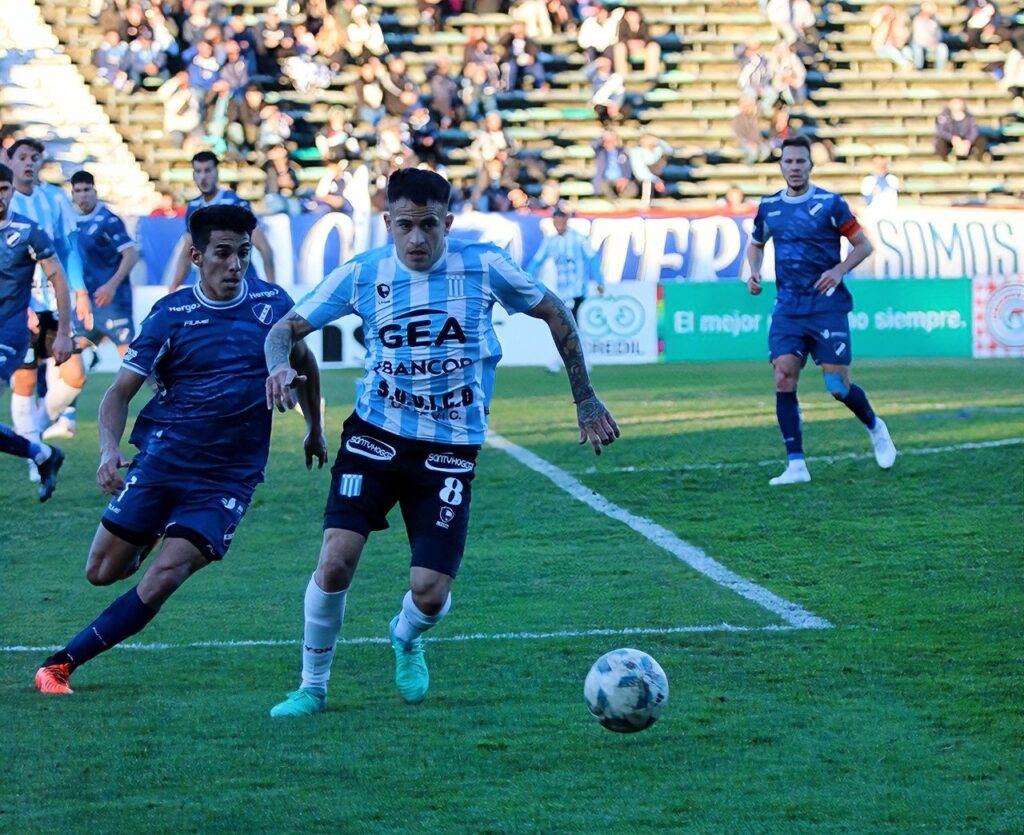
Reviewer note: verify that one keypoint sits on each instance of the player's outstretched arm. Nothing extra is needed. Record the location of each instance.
(112, 419)
(597, 426)
(283, 379)
(259, 240)
(308, 393)
(181, 269)
(54, 273)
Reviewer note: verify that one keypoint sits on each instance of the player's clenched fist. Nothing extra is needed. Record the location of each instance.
(108, 475)
(754, 285)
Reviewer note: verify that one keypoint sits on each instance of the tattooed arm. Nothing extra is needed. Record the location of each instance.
(283, 379)
(596, 423)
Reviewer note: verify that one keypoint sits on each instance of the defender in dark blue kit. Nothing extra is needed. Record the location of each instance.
(203, 440)
(810, 318)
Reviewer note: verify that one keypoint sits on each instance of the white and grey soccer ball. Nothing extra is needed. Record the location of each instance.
(626, 690)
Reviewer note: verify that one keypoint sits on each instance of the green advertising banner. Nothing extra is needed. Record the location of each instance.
(915, 317)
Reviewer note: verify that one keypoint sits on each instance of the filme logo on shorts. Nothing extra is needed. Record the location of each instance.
(444, 462)
(370, 448)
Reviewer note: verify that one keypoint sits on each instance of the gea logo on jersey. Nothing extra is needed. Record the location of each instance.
(419, 333)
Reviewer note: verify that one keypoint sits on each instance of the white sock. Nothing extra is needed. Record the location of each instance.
(23, 416)
(412, 622)
(324, 612)
(59, 395)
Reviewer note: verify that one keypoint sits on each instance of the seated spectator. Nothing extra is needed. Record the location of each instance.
(613, 177)
(133, 22)
(197, 22)
(607, 90)
(496, 185)
(477, 49)
(491, 142)
(533, 14)
(982, 16)
(789, 75)
(562, 14)
(168, 206)
(234, 72)
(364, 37)
(478, 92)
(145, 59)
(550, 195)
(335, 140)
(880, 189)
(956, 132)
(648, 159)
(330, 44)
(243, 129)
(794, 20)
(520, 57)
(755, 78)
(181, 108)
(203, 71)
(926, 38)
(423, 137)
(392, 150)
(633, 40)
(890, 36)
(779, 129)
(400, 91)
(275, 127)
(445, 100)
(598, 33)
(240, 32)
(282, 183)
(111, 60)
(165, 37)
(734, 202)
(370, 93)
(330, 191)
(274, 43)
(1011, 75)
(749, 133)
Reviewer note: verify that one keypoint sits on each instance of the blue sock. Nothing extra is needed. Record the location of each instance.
(121, 619)
(787, 410)
(857, 402)
(13, 444)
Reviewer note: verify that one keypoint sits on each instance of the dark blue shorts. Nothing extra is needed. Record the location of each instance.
(14, 341)
(113, 322)
(155, 503)
(823, 336)
(431, 483)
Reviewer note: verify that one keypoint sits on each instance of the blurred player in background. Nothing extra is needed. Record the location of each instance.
(205, 174)
(575, 263)
(810, 317)
(108, 256)
(420, 417)
(48, 206)
(203, 440)
(24, 247)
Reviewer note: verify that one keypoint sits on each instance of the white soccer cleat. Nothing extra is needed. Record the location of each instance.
(60, 428)
(796, 473)
(885, 449)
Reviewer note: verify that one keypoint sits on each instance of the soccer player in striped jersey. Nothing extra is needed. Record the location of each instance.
(24, 246)
(420, 415)
(810, 317)
(205, 174)
(203, 439)
(50, 208)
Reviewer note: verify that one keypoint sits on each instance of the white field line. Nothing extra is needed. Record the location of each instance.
(693, 556)
(476, 636)
(821, 459)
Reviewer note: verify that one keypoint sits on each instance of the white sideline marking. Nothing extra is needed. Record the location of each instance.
(693, 556)
(823, 459)
(476, 636)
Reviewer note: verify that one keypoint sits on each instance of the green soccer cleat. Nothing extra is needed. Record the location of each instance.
(411, 675)
(302, 702)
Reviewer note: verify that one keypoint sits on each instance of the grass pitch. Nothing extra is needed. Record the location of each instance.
(907, 715)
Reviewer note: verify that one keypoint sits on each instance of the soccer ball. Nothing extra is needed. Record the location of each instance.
(626, 690)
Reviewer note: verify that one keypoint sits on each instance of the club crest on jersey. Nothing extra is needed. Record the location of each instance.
(444, 462)
(383, 290)
(263, 312)
(370, 448)
(12, 237)
(815, 209)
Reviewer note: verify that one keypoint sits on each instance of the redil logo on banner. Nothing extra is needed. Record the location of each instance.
(998, 317)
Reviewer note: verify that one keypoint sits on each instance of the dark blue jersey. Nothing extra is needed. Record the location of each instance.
(210, 413)
(23, 244)
(224, 197)
(807, 231)
(102, 240)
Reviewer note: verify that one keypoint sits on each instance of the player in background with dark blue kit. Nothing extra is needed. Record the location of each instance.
(23, 246)
(108, 256)
(206, 176)
(812, 304)
(203, 439)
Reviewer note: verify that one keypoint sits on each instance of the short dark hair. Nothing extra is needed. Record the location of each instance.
(798, 141)
(82, 177)
(206, 156)
(419, 186)
(6, 175)
(34, 144)
(223, 218)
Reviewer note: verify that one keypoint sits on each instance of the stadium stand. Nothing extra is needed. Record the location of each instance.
(854, 102)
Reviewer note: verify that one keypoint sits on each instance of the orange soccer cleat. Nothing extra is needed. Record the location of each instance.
(52, 680)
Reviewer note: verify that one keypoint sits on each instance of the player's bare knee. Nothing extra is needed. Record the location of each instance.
(74, 377)
(99, 571)
(430, 594)
(339, 557)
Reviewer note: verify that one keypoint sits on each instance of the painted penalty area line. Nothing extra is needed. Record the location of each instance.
(696, 558)
(476, 636)
(819, 459)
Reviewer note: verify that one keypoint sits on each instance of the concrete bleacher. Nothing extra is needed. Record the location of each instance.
(859, 103)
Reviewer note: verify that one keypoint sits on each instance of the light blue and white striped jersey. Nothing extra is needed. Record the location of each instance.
(51, 209)
(431, 347)
(575, 262)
